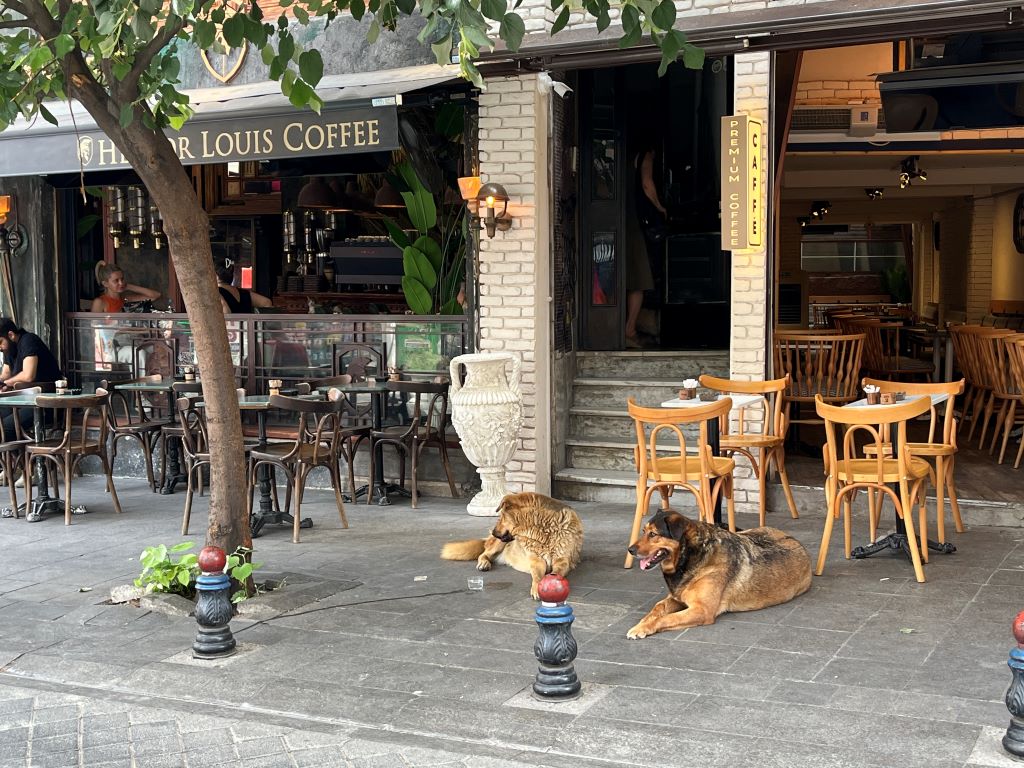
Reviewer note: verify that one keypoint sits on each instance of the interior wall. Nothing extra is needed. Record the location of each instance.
(843, 75)
(1007, 263)
(955, 224)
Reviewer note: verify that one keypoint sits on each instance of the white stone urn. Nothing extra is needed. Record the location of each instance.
(487, 412)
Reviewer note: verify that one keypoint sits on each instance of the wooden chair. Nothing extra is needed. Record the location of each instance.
(355, 358)
(984, 345)
(356, 423)
(81, 417)
(127, 419)
(681, 462)
(195, 445)
(427, 426)
(315, 445)
(769, 442)
(1007, 389)
(940, 445)
(826, 365)
(172, 430)
(12, 447)
(883, 356)
(847, 473)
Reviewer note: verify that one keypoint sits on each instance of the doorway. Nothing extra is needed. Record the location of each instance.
(627, 244)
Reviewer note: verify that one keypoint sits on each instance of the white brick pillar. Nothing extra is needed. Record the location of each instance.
(750, 268)
(514, 270)
(979, 258)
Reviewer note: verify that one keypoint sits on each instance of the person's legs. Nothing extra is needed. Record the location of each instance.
(634, 303)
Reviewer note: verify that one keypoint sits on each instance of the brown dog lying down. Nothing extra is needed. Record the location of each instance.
(709, 570)
(534, 534)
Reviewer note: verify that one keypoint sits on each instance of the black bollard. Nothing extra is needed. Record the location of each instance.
(1013, 741)
(213, 607)
(555, 649)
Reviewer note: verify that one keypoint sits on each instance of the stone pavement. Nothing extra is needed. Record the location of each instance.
(382, 657)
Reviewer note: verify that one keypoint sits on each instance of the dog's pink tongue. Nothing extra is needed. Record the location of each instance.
(645, 563)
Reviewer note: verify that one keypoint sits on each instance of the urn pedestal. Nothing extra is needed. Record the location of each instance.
(487, 413)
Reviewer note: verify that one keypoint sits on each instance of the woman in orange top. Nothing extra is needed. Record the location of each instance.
(116, 291)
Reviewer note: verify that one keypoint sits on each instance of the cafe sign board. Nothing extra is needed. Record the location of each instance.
(742, 178)
(285, 135)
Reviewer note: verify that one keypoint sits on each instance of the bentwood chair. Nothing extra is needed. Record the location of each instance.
(847, 473)
(127, 419)
(428, 419)
(985, 343)
(679, 461)
(940, 445)
(1007, 390)
(12, 447)
(359, 360)
(883, 356)
(315, 444)
(825, 364)
(172, 430)
(768, 442)
(83, 433)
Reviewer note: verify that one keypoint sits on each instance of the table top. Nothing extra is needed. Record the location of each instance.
(258, 402)
(14, 401)
(356, 387)
(164, 385)
(738, 401)
(863, 402)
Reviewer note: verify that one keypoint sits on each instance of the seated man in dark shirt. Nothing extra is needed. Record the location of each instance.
(27, 360)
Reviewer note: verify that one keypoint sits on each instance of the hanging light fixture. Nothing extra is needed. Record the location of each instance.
(910, 171)
(387, 197)
(156, 225)
(137, 214)
(316, 194)
(116, 214)
(874, 193)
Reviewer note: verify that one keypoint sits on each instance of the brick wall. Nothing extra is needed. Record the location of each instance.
(979, 261)
(839, 92)
(514, 266)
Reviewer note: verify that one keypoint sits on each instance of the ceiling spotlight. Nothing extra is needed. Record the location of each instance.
(874, 193)
(803, 221)
(820, 209)
(910, 170)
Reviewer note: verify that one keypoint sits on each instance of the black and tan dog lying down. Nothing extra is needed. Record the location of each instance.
(710, 571)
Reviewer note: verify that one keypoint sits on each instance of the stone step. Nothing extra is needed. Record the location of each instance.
(577, 484)
(612, 393)
(600, 455)
(601, 422)
(652, 364)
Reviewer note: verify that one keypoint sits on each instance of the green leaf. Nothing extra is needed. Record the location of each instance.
(357, 8)
(664, 16)
(430, 248)
(373, 32)
(630, 19)
(631, 38)
(301, 14)
(452, 307)
(184, 577)
(63, 45)
(127, 114)
(421, 209)
(286, 47)
(267, 54)
(442, 51)
(184, 546)
(669, 52)
(416, 296)
(693, 57)
(450, 120)
(47, 115)
(561, 21)
(406, 6)
(512, 30)
(397, 235)
(494, 9)
(417, 265)
(311, 66)
(603, 20)
(85, 224)
(300, 94)
(234, 31)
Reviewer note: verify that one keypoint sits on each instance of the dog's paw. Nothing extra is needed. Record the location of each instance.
(638, 632)
(483, 564)
(534, 592)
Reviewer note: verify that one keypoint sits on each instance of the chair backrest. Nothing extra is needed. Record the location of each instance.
(126, 407)
(155, 356)
(930, 313)
(81, 413)
(433, 415)
(356, 359)
(319, 425)
(653, 459)
(187, 387)
(819, 364)
(194, 439)
(771, 392)
(1004, 379)
(986, 342)
(331, 381)
(870, 420)
(916, 388)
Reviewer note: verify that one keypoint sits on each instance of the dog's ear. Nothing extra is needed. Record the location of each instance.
(675, 524)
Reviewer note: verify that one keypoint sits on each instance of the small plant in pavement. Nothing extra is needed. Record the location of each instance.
(162, 572)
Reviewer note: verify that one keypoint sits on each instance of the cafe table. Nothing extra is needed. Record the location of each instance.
(265, 512)
(941, 341)
(378, 392)
(42, 502)
(897, 540)
(164, 386)
(739, 401)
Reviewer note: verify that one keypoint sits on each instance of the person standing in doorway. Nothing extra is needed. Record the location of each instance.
(645, 234)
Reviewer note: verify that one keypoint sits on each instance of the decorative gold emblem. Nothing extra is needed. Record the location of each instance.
(85, 146)
(221, 60)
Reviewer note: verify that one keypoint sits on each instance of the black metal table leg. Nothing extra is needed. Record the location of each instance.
(266, 512)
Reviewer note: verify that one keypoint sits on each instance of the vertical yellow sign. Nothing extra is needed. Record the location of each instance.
(742, 215)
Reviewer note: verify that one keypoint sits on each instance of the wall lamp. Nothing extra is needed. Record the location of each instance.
(874, 193)
(11, 238)
(490, 194)
(910, 170)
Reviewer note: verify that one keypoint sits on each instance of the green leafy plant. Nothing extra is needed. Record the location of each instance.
(240, 567)
(162, 572)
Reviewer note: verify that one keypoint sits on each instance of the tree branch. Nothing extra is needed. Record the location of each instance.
(14, 24)
(145, 57)
(37, 17)
(14, 5)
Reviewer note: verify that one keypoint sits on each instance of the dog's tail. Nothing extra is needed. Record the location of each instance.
(463, 550)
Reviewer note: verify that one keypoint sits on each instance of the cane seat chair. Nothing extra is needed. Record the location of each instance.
(818, 364)
(940, 445)
(765, 447)
(82, 432)
(12, 446)
(315, 444)
(847, 473)
(128, 419)
(679, 460)
(428, 420)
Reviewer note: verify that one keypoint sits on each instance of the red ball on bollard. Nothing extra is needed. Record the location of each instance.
(553, 588)
(212, 559)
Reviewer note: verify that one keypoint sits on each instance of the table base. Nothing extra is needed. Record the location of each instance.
(257, 521)
(382, 496)
(897, 542)
(42, 506)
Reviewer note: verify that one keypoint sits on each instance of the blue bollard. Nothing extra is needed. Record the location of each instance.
(555, 649)
(213, 607)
